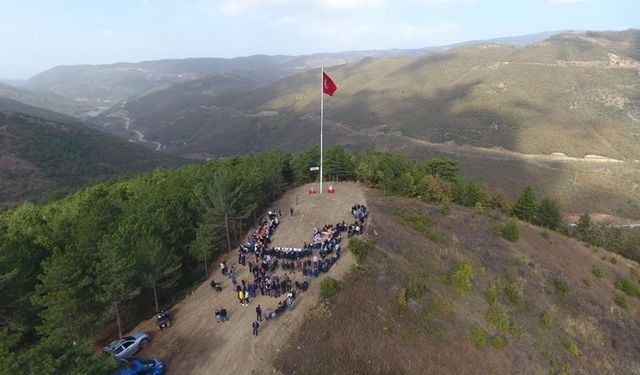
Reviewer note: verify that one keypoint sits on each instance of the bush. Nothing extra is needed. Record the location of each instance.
(462, 278)
(546, 320)
(545, 234)
(492, 294)
(561, 286)
(510, 231)
(517, 330)
(497, 342)
(515, 291)
(445, 206)
(621, 301)
(597, 272)
(402, 298)
(570, 346)
(328, 288)
(479, 337)
(629, 287)
(360, 248)
(416, 288)
(498, 317)
(613, 260)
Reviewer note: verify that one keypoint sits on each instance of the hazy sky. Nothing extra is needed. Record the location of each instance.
(39, 34)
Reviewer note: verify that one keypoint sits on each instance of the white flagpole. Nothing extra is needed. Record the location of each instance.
(321, 119)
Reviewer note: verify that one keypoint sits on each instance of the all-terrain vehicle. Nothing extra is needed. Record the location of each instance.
(164, 319)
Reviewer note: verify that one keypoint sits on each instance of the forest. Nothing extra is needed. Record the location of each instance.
(78, 271)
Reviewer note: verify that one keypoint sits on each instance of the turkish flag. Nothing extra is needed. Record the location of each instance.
(328, 86)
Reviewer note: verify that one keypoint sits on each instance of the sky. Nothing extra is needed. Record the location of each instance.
(40, 34)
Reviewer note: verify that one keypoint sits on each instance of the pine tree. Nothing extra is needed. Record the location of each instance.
(584, 226)
(526, 206)
(161, 267)
(549, 214)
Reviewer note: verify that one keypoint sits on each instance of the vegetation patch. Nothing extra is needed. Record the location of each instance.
(597, 272)
(561, 286)
(546, 320)
(479, 337)
(498, 317)
(492, 294)
(402, 298)
(515, 291)
(328, 288)
(497, 342)
(509, 231)
(360, 248)
(462, 278)
(621, 300)
(570, 346)
(629, 287)
(420, 224)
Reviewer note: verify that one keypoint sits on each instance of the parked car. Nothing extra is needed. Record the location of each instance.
(127, 346)
(134, 366)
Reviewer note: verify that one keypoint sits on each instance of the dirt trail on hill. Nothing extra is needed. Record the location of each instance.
(196, 344)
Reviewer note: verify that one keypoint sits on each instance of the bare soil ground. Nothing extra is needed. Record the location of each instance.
(196, 344)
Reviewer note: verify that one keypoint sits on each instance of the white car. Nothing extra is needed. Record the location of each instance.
(127, 346)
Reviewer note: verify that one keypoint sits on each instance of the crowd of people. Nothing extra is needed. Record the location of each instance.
(313, 258)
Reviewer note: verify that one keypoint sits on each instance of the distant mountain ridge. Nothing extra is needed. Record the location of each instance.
(102, 86)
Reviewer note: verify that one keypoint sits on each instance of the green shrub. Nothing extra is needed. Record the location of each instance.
(478, 208)
(416, 288)
(546, 320)
(545, 234)
(521, 260)
(328, 288)
(498, 317)
(517, 330)
(420, 224)
(402, 297)
(613, 260)
(497, 342)
(515, 291)
(629, 287)
(479, 337)
(570, 346)
(597, 272)
(360, 248)
(492, 294)
(462, 278)
(561, 286)
(445, 206)
(510, 231)
(621, 301)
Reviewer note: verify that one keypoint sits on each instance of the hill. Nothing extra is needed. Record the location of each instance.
(442, 293)
(39, 156)
(98, 87)
(13, 106)
(42, 99)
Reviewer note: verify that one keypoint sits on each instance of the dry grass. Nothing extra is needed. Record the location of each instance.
(439, 331)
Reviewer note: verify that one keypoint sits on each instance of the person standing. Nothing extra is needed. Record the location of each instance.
(259, 313)
(291, 211)
(256, 327)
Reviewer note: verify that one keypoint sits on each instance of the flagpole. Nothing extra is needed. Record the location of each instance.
(321, 119)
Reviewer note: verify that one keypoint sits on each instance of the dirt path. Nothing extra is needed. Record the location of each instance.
(196, 344)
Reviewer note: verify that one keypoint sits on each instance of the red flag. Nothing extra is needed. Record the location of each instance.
(328, 86)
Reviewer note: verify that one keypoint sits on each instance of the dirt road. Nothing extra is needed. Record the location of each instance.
(196, 344)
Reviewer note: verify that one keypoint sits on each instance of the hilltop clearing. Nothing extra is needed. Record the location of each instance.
(196, 344)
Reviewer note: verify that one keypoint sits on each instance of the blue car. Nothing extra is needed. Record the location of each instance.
(134, 366)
